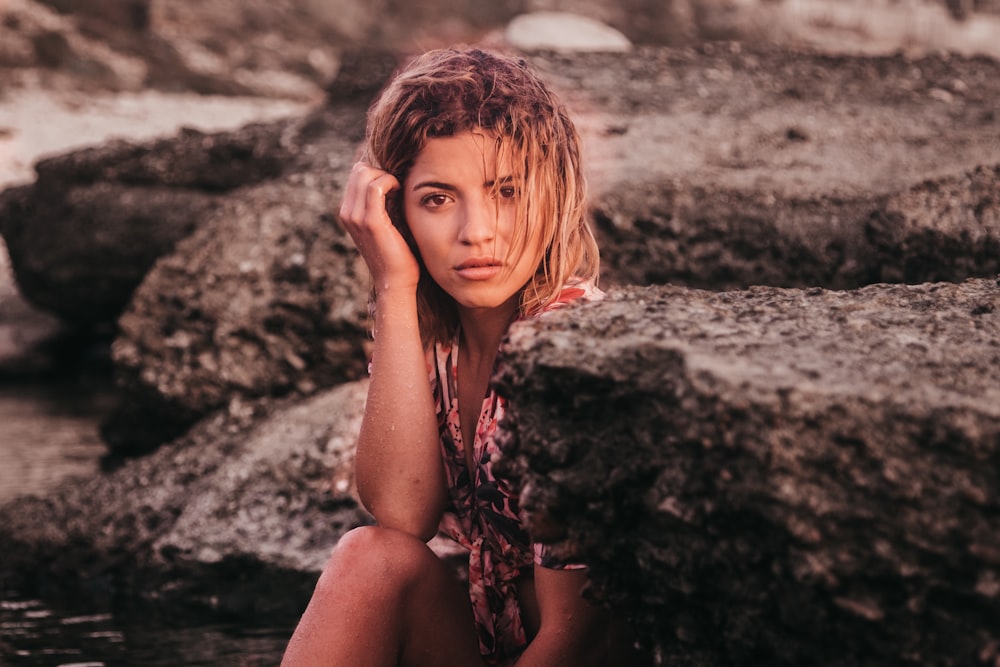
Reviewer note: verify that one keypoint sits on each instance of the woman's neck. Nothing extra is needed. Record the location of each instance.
(483, 330)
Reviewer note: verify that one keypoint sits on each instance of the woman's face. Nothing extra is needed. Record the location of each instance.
(464, 225)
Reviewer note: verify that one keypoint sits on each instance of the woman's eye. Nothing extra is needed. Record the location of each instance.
(508, 191)
(435, 200)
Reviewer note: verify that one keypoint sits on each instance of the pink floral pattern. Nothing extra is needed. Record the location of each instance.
(482, 514)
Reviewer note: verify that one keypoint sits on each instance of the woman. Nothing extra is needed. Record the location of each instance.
(469, 209)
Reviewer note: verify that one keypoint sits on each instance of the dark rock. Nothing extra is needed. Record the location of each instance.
(237, 516)
(267, 298)
(51, 49)
(36, 346)
(112, 15)
(772, 476)
(85, 234)
(698, 180)
(944, 229)
(26, 338)
(191, 160)
(706, 189)
(363, 73)
(704, 236)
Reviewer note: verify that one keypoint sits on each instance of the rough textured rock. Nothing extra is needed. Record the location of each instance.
(237, 516)
(268, 297)
(940, 230)
(723, 167)
(717, 168)
(781, 168)
(773, 476)
(88, 230)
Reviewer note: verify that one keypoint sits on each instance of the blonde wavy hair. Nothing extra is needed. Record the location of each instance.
(445, 92)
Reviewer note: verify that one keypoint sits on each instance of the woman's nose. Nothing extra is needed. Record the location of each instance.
(479, 223)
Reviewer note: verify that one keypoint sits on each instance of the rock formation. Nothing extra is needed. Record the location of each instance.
(237, 516)
(772, 476)
(768, 168)
(123, 205)
(756, 475)
(784, 168)
(718, 168)
(296, 44)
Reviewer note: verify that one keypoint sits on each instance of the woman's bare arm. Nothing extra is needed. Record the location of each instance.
(573, 632)
(400, 476)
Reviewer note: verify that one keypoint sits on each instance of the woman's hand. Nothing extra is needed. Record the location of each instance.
(363, 212)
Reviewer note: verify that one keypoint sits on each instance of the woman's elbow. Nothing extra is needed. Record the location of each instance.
(420, 524)
(422, 530)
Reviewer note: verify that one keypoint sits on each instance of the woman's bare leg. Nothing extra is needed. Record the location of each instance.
(385, 599)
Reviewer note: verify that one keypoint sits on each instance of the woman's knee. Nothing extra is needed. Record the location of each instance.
(389, 557)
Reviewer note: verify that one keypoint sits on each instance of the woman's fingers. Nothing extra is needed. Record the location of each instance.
(352, 208)
(378, 190)
(365, 217)
(364, 197)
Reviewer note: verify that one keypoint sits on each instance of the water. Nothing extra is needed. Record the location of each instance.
(49, 433)
(36, 634)
(49, 436)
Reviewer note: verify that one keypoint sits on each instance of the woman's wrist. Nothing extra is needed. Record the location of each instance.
(398, 294)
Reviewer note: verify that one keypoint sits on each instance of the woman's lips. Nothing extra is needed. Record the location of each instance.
(478, 268)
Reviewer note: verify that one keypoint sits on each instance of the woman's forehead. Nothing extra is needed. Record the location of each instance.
(476, 155)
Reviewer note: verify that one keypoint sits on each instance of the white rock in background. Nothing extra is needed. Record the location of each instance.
(561, 31)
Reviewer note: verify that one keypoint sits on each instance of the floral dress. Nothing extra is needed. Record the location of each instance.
(482, 514)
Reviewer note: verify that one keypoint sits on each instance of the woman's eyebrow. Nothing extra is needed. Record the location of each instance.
(503, 181)
(437, 185)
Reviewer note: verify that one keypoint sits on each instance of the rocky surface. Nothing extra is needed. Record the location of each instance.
(784, 168)
(279, 48)
(237, 516)
(265, 295)
(123, 205)
(773, 476)
(292, 48)
(129, 45)
(268, 298)
(732, 165)
(766, 475)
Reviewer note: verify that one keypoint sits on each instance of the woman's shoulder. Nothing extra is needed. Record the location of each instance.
(575, 289)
